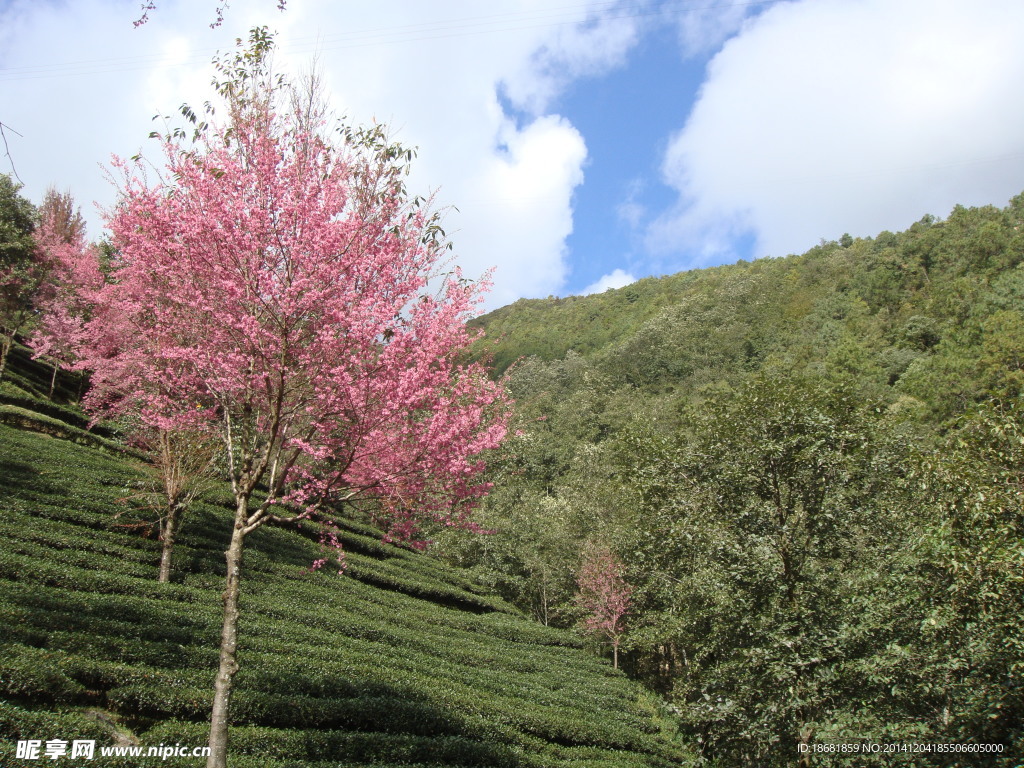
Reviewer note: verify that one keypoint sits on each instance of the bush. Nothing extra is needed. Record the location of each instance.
(34, 674)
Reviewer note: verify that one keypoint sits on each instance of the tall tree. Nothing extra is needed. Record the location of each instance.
(181, 461)
(766, 517)
(288, 295)
(19, 271)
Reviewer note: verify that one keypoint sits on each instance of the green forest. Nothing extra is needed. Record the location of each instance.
(810, 469)
(804, 474)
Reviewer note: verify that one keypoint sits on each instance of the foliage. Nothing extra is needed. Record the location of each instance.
(797, 461)
(17, 222)
(971, 578)
(407, 666)
(898, 310)
(774, 513)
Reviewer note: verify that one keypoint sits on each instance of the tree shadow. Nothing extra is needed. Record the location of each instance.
(18, 475)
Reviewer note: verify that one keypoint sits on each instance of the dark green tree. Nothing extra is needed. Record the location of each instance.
(19, 272)
(970, 582)
(770, 510)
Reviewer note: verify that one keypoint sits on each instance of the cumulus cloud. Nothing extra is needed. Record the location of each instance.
(519, 202)
(831, 116)
(81, 83)
(616, 279)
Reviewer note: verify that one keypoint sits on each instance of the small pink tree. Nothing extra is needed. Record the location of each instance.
(604, 596)
(181, 460)
(286, 295)
(64, 299)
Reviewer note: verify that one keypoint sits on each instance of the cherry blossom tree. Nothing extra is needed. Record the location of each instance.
(181, 461)
(604, 596)
(285, 293)
(71, 277)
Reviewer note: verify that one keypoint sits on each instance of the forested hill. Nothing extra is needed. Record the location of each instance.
(893, 308)
(809, 470)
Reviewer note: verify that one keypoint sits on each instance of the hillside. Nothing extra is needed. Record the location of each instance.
(878, 306)
(400, 661)
(810, 469)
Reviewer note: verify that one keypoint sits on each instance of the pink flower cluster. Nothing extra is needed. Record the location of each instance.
(289, 297)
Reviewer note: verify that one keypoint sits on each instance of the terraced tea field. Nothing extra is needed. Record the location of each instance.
(400, 661)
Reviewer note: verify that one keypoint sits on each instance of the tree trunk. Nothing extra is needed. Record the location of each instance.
(53, 380)
(806, 734)
(167, 536)
(228, 644)
(544, 596)
(5, 348)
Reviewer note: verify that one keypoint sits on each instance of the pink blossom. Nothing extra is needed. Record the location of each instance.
(604, 595)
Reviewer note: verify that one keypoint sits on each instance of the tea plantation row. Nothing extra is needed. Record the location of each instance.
(399, 661)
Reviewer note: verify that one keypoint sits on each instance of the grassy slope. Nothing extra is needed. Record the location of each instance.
(398, 662)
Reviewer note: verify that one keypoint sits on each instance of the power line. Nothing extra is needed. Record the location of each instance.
(390, 35)
(7, 150)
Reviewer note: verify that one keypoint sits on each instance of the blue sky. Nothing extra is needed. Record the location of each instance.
(649, 97)
(585, 144)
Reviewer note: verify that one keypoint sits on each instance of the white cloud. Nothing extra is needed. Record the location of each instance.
(831, 116)
(703, 29)
(519, 203)
(81, 83)
(616, 279)
(585, 49)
